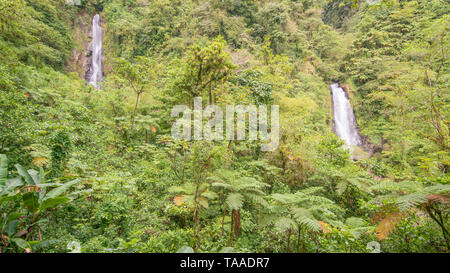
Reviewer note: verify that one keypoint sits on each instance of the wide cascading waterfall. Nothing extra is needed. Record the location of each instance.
(97, 54)
(344, 118)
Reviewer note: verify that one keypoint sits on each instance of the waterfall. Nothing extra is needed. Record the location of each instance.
(96, 71)
(344, 118)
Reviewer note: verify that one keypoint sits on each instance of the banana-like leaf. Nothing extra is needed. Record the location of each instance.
(24, 173)
(80, 194)
(3, 171)
(31, 201)
(48, 185)
(14, 216)
(60, 190)
(53, 202)
(43, 244)
(7, 198)
(37, 176)
(11, 185)
(10, 228)
(21, 243)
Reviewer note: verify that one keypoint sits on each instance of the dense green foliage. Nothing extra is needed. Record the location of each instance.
(93, 170)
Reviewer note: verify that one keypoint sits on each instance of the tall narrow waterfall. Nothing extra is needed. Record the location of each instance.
(344, 118)
(96, 65)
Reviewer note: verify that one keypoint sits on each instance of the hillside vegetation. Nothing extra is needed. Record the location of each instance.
(93, 170)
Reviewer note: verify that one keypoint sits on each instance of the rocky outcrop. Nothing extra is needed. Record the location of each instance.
(81, 57)
(79, 60)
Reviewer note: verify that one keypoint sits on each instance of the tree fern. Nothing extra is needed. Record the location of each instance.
(408, 195)
(239, 189)
(299, 211)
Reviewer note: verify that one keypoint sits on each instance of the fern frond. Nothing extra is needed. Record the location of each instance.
(258, 199)
(388, 224)
(283, 198)
(234, 201)
(221, 185)
(305, 218)
(181, 189)
(284, 224)
(355, 222)
(209, 194)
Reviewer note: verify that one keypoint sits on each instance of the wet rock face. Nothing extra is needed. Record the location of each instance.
(87, 63)
(80, 59)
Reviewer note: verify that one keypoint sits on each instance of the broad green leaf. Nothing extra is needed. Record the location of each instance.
(21, 243)
(61, 189)
(14, 216)
(10, 228)
(38, 176)
(41, 175)
(48, 185)
(53, 202)
(31, 201)
(46, 243)
(80, 194)
(13, 183)
(3, 170)
(24, 173)
(8, 198)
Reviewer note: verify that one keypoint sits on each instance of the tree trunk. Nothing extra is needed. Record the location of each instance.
(134, 111)
(223, 220)
(298, 238)
(196, 221)
(236, 215)
(439, 221)
(288, 249)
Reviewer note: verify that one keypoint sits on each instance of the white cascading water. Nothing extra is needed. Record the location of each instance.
(344, 118)
(96, 66)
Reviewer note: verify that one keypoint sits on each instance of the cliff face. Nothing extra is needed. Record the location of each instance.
(337, 12)
(81, 55)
